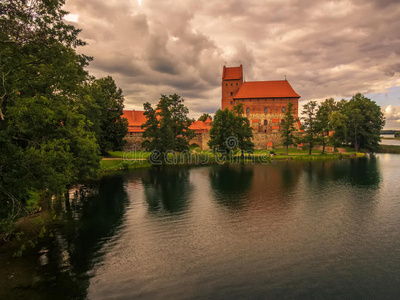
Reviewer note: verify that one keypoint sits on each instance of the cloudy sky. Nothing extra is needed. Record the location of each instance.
(325, 48)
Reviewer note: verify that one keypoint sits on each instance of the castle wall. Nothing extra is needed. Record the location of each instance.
(260, 140)
(229, 89)
(274, 107)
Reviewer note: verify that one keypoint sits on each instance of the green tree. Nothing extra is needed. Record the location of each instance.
(311, 135)
(222, 129)
(231, 130)
(204, 117)
(364, 122)
(167, 126)
(397, 134)
(323, 124)
(338, 122)
(104, 108)
(288, 129)
(242, 130)
(45, 142)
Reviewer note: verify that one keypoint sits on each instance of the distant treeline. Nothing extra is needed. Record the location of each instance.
(389, 131)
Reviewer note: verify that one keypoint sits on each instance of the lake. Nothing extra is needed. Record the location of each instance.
(390, 140)
(321, 230)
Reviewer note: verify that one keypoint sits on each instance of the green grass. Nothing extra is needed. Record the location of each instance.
(128, 154)
(207, 157)
(295, 151)
(120, 164)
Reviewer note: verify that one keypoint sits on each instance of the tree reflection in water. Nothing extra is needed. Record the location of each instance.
(167, 189)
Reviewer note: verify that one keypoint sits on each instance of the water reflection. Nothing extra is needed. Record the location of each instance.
(230, 184)
(86, 224)
(230, 231)
(357, 172)
(167, 189)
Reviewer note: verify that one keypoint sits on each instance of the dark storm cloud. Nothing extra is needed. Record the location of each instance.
(325, 48)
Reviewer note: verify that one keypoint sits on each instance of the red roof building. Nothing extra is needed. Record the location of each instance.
(264, 102)
(136, 118)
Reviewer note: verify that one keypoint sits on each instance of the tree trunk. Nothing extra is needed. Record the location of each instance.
(323, 146)
(309, 150)
(242, 155)
(287, 149)
(356, 146)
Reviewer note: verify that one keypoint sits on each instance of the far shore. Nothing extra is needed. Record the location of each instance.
(119, 160)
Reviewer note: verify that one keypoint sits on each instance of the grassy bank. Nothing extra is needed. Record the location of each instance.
(389, 149)
(121, 164)
(116, 160)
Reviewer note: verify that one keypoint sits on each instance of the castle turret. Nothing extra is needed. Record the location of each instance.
(232, 80)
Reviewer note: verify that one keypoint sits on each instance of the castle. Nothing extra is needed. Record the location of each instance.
(264, 102)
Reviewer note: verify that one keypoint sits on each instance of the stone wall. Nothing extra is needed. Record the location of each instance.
(260, 140)
(134, 142)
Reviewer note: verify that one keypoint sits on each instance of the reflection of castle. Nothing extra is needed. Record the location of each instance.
(265, 103)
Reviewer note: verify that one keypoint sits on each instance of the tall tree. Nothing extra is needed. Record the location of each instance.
(323, 124)
(167, 126)
(105, 112)
(365, 121)
(311, 136)
(242, 130)
(45, 143)
(204, 117)
(288, 129)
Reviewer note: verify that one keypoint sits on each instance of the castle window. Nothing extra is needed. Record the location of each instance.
(247, 110)
(231, 93)
(236, 84)
(231, 102)
(231, 84)
(282, 121)
(265, 110)
(283, 110)
(226, 84)
(265, 122)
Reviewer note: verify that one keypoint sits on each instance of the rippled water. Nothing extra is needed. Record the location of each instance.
(294, 230)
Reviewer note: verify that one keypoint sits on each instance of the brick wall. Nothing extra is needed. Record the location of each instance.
(228, 87)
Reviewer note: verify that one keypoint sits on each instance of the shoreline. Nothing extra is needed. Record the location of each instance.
(120, 164)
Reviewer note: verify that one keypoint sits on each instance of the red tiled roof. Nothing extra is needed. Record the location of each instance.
(255, 120)
(232, 73)
(275, 127)
(200, 125)
(270, 144)
(135, 120)
(134, 117)
(266, 89)
(275, 120)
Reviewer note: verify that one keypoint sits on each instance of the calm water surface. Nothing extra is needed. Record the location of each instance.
(390, 141)
(321, 230)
